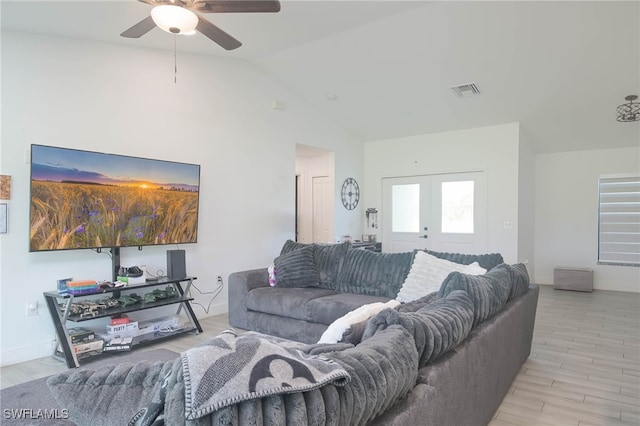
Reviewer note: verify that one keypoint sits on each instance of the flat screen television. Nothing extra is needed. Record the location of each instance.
(92, 200)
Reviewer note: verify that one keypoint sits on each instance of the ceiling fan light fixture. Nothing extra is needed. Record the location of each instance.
(174, 19)
(630, 112)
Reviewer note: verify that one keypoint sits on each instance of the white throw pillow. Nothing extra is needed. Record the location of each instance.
(427, 274)
(333, 334)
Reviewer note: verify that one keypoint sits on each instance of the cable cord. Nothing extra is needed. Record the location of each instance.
(167, 327)
(216, 292)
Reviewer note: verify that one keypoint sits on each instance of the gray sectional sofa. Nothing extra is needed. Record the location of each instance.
(464, 381)
(345, 279)
(445, 359)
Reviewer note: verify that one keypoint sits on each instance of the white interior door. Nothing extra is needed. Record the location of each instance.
(445, 212)
(321, 193)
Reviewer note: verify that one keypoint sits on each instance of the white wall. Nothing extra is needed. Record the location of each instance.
(566, 209)
(526, 203)
(493, 149)
(122, 100)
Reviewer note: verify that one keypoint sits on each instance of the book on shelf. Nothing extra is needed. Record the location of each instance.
(81, 283)
(119, 320)
(94, 345)
(77, 291)
(129, 327)
(81, 334)
(119, 344)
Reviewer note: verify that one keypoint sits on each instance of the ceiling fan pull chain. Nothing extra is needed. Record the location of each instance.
(175, 60)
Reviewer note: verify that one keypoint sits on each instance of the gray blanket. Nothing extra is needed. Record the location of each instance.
(383, 370)
(230, 369)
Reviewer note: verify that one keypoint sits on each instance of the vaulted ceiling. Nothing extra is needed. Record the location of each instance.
(384, 69)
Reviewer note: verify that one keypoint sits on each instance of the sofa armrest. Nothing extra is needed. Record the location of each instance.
(240, 284)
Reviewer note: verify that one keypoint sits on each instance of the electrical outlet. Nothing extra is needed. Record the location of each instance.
(32, 309)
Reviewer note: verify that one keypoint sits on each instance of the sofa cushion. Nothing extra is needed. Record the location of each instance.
(427, 274)
(487, 261)
(285, 302)
(327, 309)
(375, 274)
(296, 269)
(383, 370)
(489, 292)
(437, 328)
(327, 259)
(519, 279)
(111, 395)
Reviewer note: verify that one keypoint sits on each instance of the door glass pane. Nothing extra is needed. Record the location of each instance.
(457, 207)
(405, 205)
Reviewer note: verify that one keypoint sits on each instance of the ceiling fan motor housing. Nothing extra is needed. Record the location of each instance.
(180, 17)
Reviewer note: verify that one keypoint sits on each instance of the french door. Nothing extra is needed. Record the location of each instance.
(444, 212)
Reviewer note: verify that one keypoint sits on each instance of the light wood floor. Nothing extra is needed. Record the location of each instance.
(584, 368)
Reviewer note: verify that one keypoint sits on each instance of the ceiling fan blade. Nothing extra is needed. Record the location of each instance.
(151, 2)
(235, 6)
(217, 35)
(140, 29)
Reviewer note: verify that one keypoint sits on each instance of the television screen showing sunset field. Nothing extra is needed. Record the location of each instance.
(83, 199)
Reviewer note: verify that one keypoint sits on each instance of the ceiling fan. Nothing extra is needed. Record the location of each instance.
(183, 17)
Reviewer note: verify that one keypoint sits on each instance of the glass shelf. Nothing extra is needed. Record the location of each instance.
(131, 308)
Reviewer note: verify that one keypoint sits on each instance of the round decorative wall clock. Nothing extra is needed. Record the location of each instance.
(350, 194)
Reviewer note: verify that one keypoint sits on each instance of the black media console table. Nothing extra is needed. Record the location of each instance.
(61, 315)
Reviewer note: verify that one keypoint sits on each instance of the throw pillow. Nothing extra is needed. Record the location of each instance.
(489, 292)
(291, 245)
(520, 278)
(297, 269)
(353, 321)
(327, 258)
(375, 274)
(427, 274)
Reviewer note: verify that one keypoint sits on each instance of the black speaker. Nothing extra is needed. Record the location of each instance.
(176, 268)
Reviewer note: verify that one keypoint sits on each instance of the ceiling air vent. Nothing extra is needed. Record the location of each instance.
(466, 90)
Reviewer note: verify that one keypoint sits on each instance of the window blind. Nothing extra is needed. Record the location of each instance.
(619, 221)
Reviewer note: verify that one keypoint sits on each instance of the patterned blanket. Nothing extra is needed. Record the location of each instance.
(230, 369)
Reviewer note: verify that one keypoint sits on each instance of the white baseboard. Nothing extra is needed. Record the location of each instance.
(25, 353)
